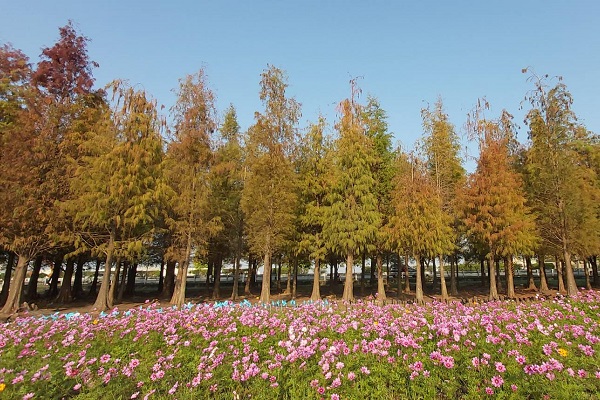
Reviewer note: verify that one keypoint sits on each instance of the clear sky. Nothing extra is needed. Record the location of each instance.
(408, 53)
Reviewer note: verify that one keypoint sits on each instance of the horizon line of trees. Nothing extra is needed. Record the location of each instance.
(88, 173)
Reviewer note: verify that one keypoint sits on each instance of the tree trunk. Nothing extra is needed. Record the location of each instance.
(542, 267)
(16, 287)
(94, 285)
(381, 297)
(433, 274)
(161, 277)
(122, 282)
(32, 288)
(316, 289)
(65, 294)
(265, 292)
(217, 284)
(102, 303)
(482, 266)
(594, 262)
(7, 276)
(444, 290)
(419, 284)
(559, 273)
(372, 273)
(53, 288)
(236, 277)
(493, 287)
(509, 269)
(114, 284)
(288, 283)
(498, 281)
(248, 277)
(336, 274)
(169, 286)
(331, 275)
(571, 284)
(530, 280)
(295, 282)
(77, 291)
(178, 297)
(363, 264)
(406, 277)
(399, 277)
(131, 274)
(588, 284)
(209, 271)
(278, 276)
(349, 282)
(181, 282)
(453, 276)
(422, 261)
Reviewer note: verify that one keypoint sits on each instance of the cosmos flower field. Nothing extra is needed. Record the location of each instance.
(540, 350)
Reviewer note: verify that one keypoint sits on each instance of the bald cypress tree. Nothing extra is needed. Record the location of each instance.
(376, 127)
(419, 224)
(189, 158)
(314, 168)
(494, 202)
(118, 186)
(269, 195)
(352, 219)
(441, 147)
(227, 182)
(564, 193)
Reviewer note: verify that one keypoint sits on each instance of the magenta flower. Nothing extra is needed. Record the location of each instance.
(105, 358)
(500, 367)
(497, 381)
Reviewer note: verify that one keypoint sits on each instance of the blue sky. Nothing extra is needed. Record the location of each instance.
(407, 53)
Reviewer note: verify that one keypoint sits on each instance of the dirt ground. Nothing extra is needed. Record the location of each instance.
(200, 294)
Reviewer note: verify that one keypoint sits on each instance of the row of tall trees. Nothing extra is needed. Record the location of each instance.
(91, 173)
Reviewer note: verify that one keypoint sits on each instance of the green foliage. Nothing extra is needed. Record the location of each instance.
(187, 165)
(269, 196)
(118, 184)
(352, 218)
(494, 201)
(226, 184)
(375, 121)
(442, 149)
(419, 224)
(314, 167)
(562, 170)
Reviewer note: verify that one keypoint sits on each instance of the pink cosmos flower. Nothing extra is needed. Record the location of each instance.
(335, 396)
(497, 380)
(514, 387)
(500, 367)
(489, 390)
